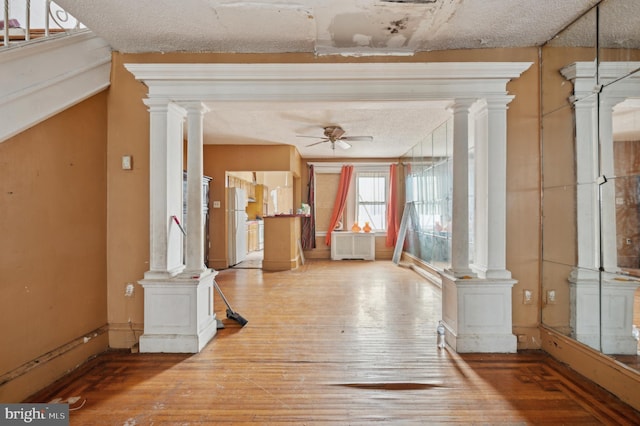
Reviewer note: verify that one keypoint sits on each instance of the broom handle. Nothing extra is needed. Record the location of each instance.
(215, 284)
(175, 219)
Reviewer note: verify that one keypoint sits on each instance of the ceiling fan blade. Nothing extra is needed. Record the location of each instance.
(314, 137)
(342, 144)
(317, 143)
(357, 138)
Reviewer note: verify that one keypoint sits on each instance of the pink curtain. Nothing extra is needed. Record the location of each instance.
(341, 199)
(393, 225)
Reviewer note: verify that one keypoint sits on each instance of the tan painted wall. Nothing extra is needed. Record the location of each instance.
(128, 205)
(53, 209)
(558, 162)
(523, 203)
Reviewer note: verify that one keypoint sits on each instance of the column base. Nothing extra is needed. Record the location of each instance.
(178, 314)
(477, 315)
(176, 343)
(613, 299)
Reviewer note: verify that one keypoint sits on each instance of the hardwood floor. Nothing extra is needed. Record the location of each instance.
(335, 343)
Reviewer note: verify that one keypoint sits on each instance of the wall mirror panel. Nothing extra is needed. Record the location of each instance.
(429, 189)
(591, 180)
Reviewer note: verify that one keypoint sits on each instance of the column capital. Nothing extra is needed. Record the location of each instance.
(462, 104)
(610, 101)
(157, 104)
(498, 101)
(195, 107)
(588, 102)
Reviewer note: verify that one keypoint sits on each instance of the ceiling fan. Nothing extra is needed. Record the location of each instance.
(335, 135)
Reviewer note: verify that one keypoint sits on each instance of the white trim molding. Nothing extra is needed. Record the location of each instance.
(327, 82)
(40, 80)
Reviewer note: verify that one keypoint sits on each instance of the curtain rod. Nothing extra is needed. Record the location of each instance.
(354, 164)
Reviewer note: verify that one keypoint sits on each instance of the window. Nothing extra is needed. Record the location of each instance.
(371, 199)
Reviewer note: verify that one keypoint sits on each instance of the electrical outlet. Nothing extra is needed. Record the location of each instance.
(551, 297)
(216, 204)
(527, 297)
(128, 290)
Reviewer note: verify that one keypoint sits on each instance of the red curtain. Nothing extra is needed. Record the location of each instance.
(392, 207)
(341, 199)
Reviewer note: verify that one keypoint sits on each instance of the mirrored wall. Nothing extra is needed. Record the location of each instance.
(590, 104)
(429, 193)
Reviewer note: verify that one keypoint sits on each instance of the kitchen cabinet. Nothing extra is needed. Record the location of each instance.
(252, 235)
(258, 207)
(249, 187)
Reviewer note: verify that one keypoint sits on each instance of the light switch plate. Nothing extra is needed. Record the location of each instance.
(126, 162)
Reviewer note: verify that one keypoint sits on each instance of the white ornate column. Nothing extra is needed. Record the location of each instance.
(477, 310)
(617, 292)
(601, 300)
(178, 304)
(460, 205)
(165, 195)
(584, 287)
(608, 188)
(496, 165)
(195, 237)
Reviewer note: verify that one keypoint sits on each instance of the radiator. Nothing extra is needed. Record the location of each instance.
(353, 245)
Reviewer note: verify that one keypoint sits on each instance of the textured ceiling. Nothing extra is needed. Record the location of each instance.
(347, 28)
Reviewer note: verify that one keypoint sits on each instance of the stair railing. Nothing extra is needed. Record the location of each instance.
(53, 20)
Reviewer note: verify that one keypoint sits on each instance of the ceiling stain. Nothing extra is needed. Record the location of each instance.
(371, 30)
(400, 24)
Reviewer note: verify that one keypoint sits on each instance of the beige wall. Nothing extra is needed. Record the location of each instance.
(523, 203)
(53, 205)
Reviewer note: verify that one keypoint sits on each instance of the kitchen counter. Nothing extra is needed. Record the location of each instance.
(289, 215)
(281, 236)
(255, 235)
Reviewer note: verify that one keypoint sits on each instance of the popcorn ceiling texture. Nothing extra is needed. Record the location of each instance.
(346, 27)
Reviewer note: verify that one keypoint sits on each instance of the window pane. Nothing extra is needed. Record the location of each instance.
(371, 188)
(372, 199)
(375, 214)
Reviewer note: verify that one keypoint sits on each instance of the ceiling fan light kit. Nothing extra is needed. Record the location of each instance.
(335, 135)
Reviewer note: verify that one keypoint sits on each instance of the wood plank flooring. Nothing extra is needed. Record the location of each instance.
(332, 343)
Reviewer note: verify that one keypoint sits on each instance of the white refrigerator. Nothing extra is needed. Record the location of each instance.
(237, 205)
